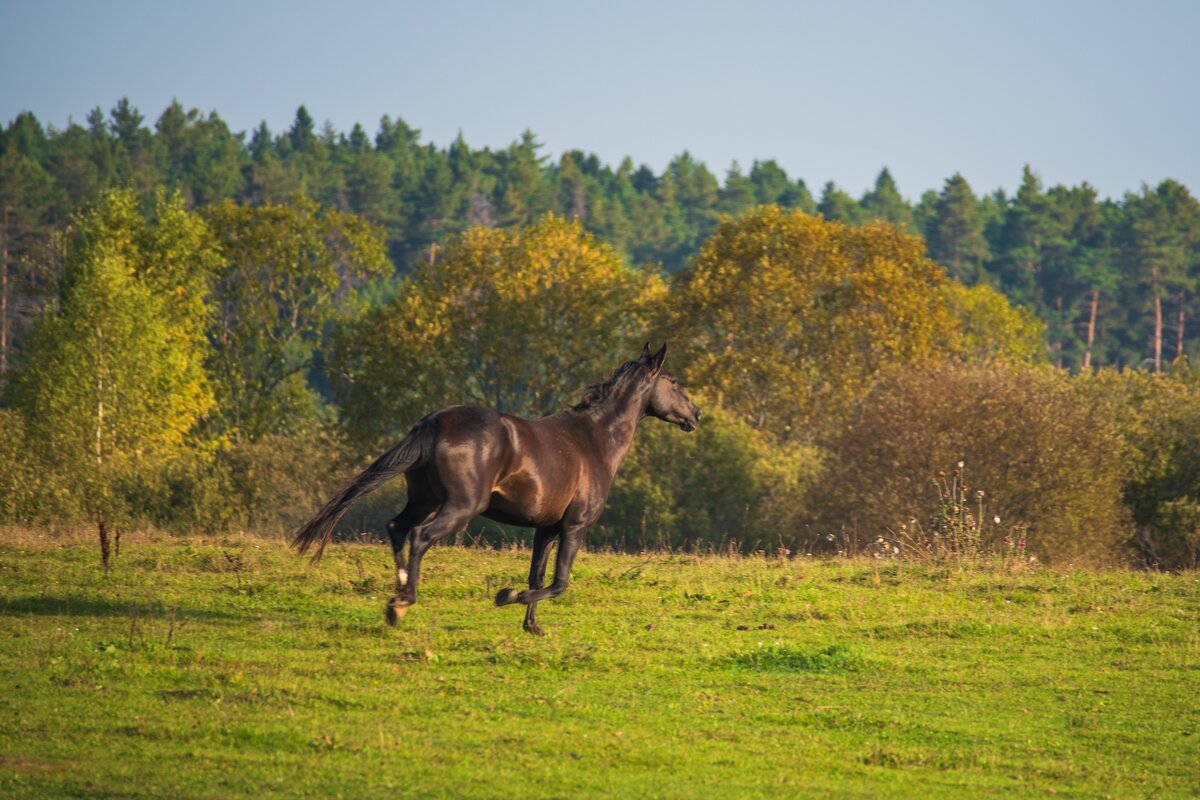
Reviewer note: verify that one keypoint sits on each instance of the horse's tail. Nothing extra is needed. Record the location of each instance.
(413, 450)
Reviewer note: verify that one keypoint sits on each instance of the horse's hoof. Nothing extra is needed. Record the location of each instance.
(506, 596)
(395, 611)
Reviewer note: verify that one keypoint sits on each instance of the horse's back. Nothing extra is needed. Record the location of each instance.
(458, 425)
(525, 471)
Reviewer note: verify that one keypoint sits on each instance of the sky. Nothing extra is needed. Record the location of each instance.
(1103, 92)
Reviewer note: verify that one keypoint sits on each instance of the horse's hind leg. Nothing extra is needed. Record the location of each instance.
(542, 539)
(398, 530)
(447, 520)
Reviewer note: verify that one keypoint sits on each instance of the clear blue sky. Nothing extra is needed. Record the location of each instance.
(1107, 92)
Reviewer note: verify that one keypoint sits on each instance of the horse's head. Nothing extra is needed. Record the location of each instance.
(666, 400)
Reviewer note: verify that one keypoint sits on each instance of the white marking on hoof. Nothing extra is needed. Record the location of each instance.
(402, 577)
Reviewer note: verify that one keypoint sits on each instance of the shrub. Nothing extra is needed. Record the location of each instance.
(270, 486)
(726, 483)
(1047, 456)
(1159, 417)
(25, 490)
(278, 482)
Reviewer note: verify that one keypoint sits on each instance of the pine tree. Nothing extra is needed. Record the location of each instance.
(837, 206)
(885, 203)
(955, 233)
(737, 195)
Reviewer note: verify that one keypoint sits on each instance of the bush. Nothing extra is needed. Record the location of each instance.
(1159, 417)
(269, 486)
(726, 484)
(190, 492)
(278, 482)
(1047, 456)
(26, 492)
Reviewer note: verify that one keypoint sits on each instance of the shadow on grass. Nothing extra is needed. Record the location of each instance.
(52, 606)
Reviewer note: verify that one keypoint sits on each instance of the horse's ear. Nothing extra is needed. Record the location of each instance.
(645, 351)
(656, 360)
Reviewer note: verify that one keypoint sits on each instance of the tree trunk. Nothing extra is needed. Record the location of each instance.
(102, 526)
(1179, 328)
(1158, 320)
(100, 397)
(1091, 329)
(1058, 345)
(3, 297)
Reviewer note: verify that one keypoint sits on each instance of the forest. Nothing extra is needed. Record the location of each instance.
(208, 330)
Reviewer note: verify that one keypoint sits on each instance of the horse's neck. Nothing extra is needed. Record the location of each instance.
(616, 425)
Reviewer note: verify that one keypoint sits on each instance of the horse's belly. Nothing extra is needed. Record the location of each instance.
(522, 500)
(501, 510)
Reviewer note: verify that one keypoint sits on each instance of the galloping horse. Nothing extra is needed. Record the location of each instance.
(552, 474)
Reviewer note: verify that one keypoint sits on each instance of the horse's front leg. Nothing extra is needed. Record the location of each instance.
(542, 539)
(569, 542)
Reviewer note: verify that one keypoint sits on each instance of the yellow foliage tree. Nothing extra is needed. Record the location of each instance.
(785, 317)
(990, 328)
(114, 383)
(520, 320)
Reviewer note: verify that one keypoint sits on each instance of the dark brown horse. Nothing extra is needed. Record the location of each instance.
(552, 474)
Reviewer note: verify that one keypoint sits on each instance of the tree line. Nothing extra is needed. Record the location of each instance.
(222, 363)
(225, 368)
(1114, 279)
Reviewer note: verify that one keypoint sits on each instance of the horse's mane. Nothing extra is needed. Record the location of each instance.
(595, 394)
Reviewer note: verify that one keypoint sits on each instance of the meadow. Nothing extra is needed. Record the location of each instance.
(228, 667)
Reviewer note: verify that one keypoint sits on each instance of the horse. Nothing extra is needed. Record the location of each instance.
(551, 474)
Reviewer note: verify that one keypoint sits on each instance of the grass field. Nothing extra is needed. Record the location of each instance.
(229, 668)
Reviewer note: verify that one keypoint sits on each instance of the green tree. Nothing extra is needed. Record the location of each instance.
(115, 380)
(884, 203)
(198, 156)
(70, 164)
(837, 206)
(1162, 235)
(25, 210)
(270, 179)
(286, 273)
(302, 135)
(689, 193)
(737, 195)
(956, 233)
(525, 191)
(773, 187)
(1028, 228)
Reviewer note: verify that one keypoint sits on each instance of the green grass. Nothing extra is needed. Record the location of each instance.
(229, 668)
